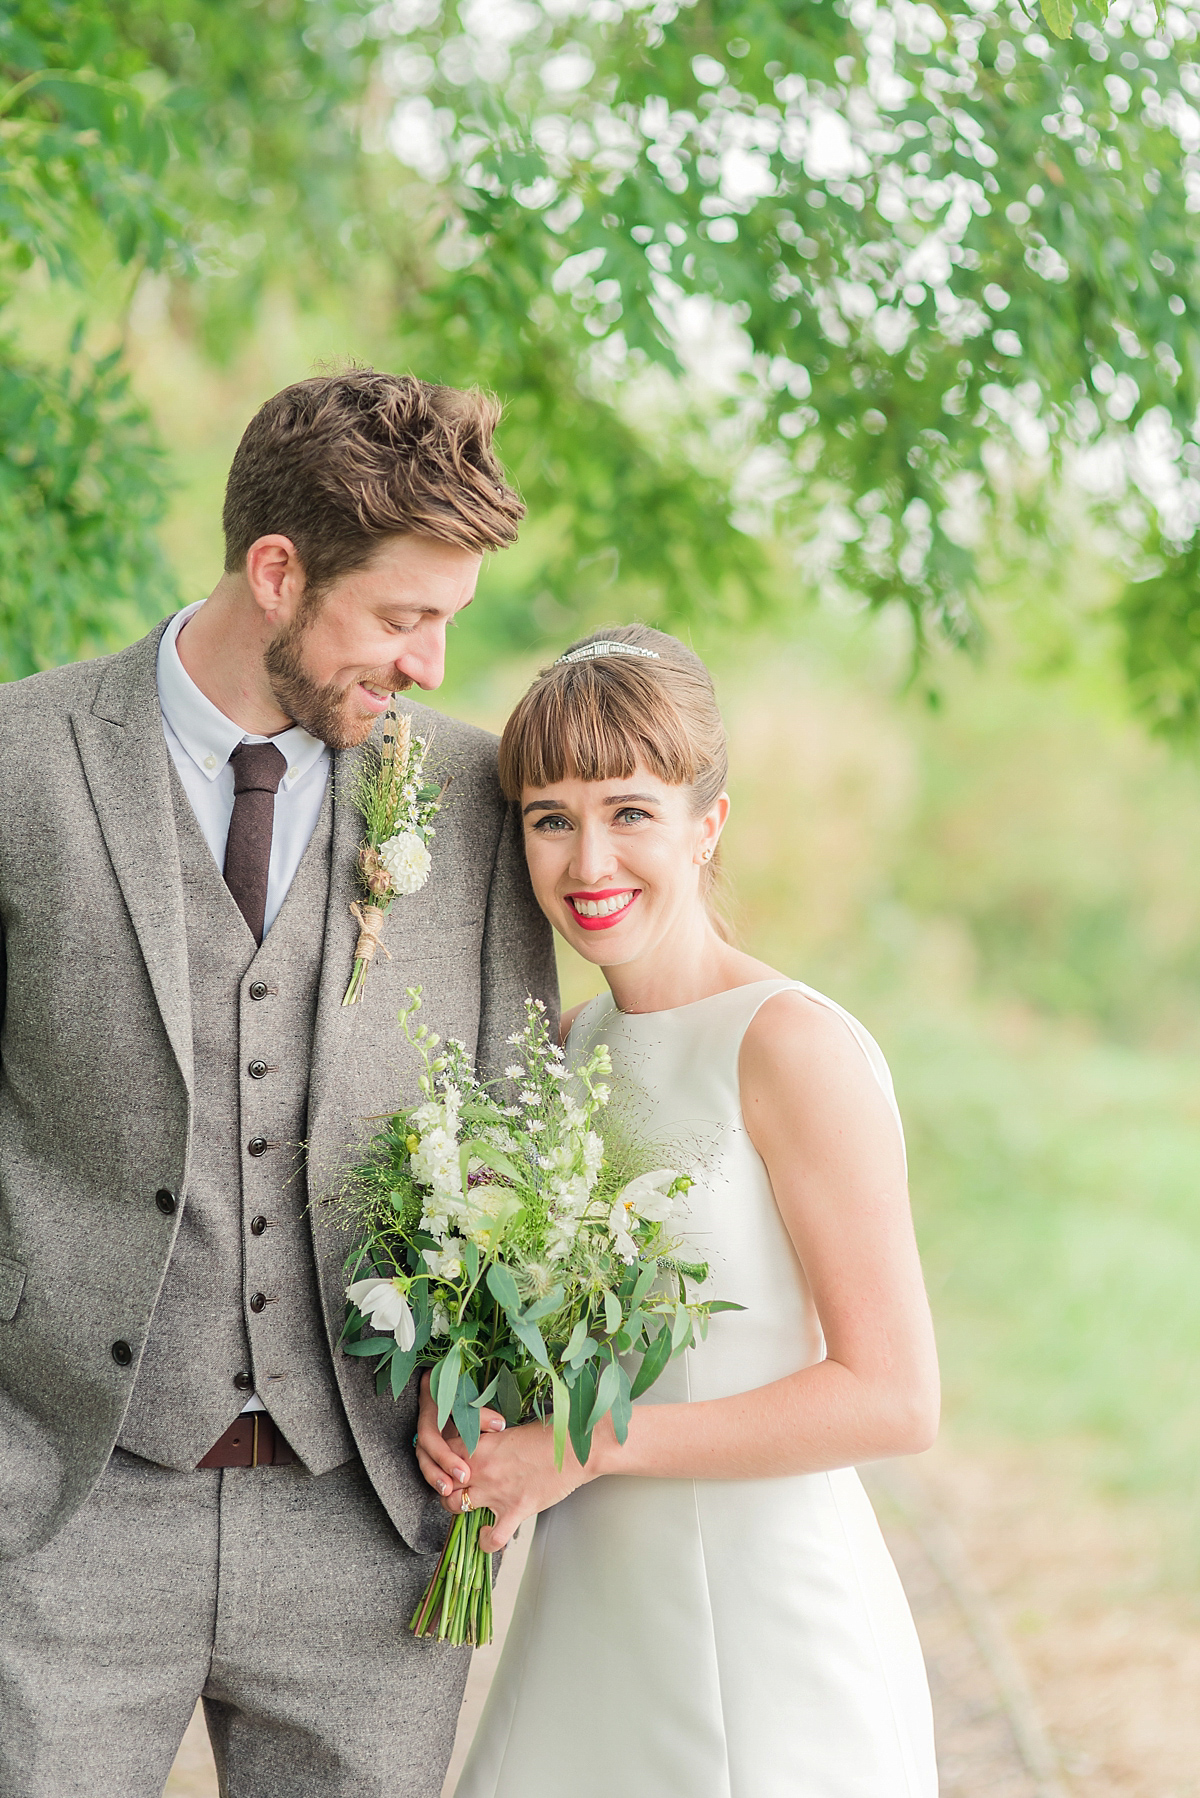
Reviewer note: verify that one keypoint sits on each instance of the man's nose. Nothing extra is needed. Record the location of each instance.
(423, 659)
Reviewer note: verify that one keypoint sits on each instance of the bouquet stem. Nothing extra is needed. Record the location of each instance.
(457, 1602)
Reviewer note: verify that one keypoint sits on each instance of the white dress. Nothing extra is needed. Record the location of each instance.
(711, 1638)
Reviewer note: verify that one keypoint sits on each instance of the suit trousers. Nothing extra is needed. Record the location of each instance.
(280, 1598)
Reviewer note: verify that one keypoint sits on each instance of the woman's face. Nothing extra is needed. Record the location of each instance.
(616, 864)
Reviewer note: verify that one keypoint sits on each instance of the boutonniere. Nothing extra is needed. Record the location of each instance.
(399, 806)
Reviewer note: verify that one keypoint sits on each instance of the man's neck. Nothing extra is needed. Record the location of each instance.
(222, 647)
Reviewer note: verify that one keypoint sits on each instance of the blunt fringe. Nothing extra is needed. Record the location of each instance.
(342, 461)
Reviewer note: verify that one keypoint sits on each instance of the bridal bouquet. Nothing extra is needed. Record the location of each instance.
(507, 1248)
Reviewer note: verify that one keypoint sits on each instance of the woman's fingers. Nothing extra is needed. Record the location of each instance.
(491, 1420)
(501, 1532)
(440, 1455)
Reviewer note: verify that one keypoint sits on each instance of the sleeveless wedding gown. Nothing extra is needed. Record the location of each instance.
(711, 1638)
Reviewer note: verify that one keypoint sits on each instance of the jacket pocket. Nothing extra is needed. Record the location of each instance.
(12, 1285)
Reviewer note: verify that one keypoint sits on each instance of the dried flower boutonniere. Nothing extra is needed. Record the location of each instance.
(399, 806)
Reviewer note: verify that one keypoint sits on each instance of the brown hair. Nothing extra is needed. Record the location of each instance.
(597, 718)
(341, 462)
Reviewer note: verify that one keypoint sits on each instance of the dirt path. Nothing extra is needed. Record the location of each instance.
(965, 1587)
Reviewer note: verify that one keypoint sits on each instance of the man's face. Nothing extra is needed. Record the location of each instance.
(374, 632)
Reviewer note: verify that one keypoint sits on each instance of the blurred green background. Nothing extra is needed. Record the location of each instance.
(950, 602)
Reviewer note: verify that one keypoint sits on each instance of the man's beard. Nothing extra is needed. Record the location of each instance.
(324, 711)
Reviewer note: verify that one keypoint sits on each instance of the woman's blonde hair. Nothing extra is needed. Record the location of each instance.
(597, 717)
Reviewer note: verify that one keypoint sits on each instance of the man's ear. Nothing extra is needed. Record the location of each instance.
(275, 577)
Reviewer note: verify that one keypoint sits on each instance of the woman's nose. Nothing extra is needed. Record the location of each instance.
(594, 858)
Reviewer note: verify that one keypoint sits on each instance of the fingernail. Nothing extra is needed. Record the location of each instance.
(464, 1474)
(498, 1425)
(443, 1487)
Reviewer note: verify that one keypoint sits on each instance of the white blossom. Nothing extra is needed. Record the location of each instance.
(440, 1322)
(646, 1199)
(407, 861)
(446, 1263)
(385, 1308)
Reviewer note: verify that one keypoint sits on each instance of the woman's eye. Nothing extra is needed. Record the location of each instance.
(546, 825)
(630, 814)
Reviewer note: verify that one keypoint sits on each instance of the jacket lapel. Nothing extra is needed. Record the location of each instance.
(124, 755)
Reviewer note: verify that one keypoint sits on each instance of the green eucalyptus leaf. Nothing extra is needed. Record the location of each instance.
(653, 1361)
(607, 1388)
(503, 1287)
(508, 1397)
(443, 1382)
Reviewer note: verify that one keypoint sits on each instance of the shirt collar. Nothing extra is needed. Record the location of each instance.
(207, 735)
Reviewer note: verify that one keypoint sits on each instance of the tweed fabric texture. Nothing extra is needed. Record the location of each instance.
(246, 1164)
(97, 1086)
(280, 1597)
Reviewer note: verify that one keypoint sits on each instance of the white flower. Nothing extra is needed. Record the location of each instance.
(646, 1199)
(407, 861)
(385, 1308)
(515, 1072)
(435, 1161)
(440, 1322)
(445, 1265)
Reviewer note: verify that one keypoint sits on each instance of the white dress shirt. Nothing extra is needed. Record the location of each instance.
(202, 739)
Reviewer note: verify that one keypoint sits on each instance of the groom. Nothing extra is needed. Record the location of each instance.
(200, 1495)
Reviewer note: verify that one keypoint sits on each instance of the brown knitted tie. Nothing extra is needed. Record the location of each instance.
(258, 769)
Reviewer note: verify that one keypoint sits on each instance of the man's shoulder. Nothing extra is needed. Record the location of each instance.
(441, 729)
(43, 701)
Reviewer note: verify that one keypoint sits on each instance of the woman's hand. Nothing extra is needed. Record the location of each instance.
(441, 1454)
(514, 1477)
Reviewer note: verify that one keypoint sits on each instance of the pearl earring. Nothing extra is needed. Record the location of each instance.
(706, 855)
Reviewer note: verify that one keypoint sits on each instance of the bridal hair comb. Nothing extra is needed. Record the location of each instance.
(587, 652)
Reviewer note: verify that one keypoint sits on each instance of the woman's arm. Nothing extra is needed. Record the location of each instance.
(816, 1115)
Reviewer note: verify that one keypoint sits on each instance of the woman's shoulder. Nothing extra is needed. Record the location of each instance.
(806, 1048)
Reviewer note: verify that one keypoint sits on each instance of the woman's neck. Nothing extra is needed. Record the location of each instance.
(693, 963)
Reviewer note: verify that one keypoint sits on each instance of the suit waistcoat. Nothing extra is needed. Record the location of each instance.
(240, 1294)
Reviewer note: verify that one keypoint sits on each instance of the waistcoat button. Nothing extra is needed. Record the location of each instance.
(166, 1201)
(257, 1225)
(244, 1381)
(257, 1070)
(258, 989)
(256, 1303)
(257, 1146)
(122, 1354)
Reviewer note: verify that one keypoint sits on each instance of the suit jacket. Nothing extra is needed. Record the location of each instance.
(96, 1059)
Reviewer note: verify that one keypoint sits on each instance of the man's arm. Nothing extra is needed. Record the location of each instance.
(518, 953)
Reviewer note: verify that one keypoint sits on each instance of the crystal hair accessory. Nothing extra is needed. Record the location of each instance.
(587, 652)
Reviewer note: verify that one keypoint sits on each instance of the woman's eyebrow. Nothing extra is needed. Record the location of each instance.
(559, 805)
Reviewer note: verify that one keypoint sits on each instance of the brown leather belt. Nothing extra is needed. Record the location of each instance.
(251, 1441)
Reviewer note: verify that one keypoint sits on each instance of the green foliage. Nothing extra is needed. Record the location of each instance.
(1160, 616)
(876, 278)
(137, 137)
(938, 233)
(82, 484)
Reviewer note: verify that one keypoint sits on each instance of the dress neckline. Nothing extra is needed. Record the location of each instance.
(671, 1011)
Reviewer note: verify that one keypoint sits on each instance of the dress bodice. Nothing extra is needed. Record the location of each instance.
(676, 1087)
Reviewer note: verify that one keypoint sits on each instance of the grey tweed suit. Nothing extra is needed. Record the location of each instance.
(129, 1584)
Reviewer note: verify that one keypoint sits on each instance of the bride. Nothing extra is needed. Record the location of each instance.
(709, 1610)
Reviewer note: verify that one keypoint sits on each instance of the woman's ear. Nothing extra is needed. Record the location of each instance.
(711, 826)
